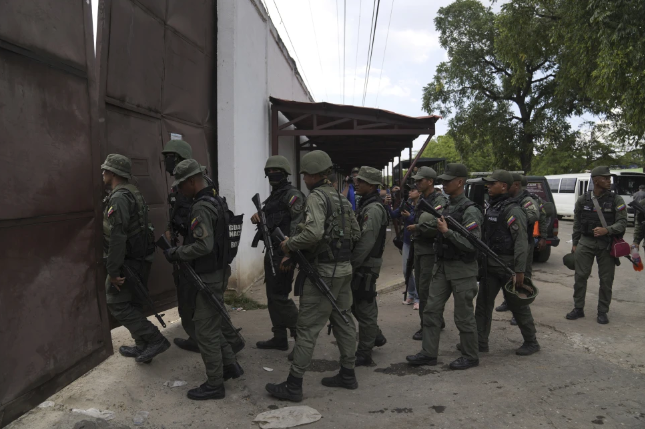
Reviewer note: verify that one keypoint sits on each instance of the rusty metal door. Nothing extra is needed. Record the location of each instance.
(157, 78)
(53, 319)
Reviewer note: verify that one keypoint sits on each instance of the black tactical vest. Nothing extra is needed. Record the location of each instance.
(379, 244)
(444, 248)
(497, 235)
(180, 210)
(589, 218)
(277, 210)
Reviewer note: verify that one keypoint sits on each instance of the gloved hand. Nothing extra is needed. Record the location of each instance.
(170, 254)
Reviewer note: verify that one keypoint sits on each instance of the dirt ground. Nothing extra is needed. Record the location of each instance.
(586, 374)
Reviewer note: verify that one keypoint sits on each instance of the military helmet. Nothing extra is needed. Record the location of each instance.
(569, 260)
(278, 161)
(520, 297)
(118, 164)
(179, 147)
(186, 169)
(370, 175)
(315, 162)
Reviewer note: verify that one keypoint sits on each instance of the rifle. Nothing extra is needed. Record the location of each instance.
(142, 292)
(637, 206)
(197, 282)
(305, 266)
(459, 228)
(264, 229)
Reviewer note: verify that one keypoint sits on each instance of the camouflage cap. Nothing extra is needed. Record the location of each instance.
(315, 162)
(425, 173)
(602, 170)
(516, 177)
(278, 161)
(370, 175)
(500, 176)
(569, 260)
(118, 164)
(185, 169)
(179, 147)
(454, 170)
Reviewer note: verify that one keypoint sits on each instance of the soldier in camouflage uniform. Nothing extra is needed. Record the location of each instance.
(424, 232)
(505, 234)
(592, 240)
(367, 259)
(128, 241)
(283, 209)
(455, 273)
(174, 152)
(326, 239)
(204, 248)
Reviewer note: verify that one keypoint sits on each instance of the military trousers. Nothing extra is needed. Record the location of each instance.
(282, 310)
(127, 308)
(423, 267)
(315, 311)
(366, 314)
(464, 291)
(213, 347)
(584, 257)
(488, 291)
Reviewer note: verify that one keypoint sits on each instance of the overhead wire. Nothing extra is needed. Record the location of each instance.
(368, 65)
(358, 39)
(387, 35)
(313, 25)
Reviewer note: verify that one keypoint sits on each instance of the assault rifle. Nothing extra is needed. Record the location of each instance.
(142, 292)
(264, 230)
(638, 207)
(459, 228)
(305, 266)
(197, 282)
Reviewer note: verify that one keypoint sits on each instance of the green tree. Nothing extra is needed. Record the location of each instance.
(445, 147)
(498, 82)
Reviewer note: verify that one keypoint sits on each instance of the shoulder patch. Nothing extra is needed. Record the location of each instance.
(528, 204)
(510, 220)
(194, 223)
(620, 207)
(471, 226)
(293, 200)
(113, 209)
(439, 207)
(365, 217)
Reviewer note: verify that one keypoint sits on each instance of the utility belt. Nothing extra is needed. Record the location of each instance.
(342, 253)
(364, 284)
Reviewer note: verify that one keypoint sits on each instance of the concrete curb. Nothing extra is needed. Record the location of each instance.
(390, 286)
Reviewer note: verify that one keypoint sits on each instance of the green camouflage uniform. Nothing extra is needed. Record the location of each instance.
(532, 212)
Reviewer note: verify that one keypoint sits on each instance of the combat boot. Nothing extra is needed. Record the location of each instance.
(291, 390)
(274, 344)
(502, 307)
(421, 359)
(363, 359)
(346, 378)
(418, 336)
(528, 349)
(233, 370)
(576, 313)
(153, 350)
(187, 344)
(602, 318)
(206, 391)
(513, 321)
(130, 351)
(463, 362)
(380, 340)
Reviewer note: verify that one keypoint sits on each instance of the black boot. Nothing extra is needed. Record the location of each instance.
(513, 321)
(291, 390)
(380, 340)
(418, 335)
(502, 307)
(463, 363)
(602, 318)
(153, 350)
(576, 313)
(188, 344)
(274, 343)
(130, 351)
(363, 360)
(421, 359)
(233, 370)
(528, 349)
(346, 378)
(206, 391)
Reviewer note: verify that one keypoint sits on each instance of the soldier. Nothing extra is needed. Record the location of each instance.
(424, 232)
(327, 237)
(505, 234)
(204, 249)
(174, 152)
(283, 209)
(367, 259)
(455, 273)
(592, 240)
(128, 241)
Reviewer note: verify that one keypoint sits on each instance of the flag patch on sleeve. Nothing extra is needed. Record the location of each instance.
(620, 207)
(194, 224)
(439, 207)
(293, 200)
(471, 226)
(528, 204)
(510, 221)
(112, 210)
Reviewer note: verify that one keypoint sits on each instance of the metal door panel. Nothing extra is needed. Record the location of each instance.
(194, 22)
(157, 7)
(45, 123)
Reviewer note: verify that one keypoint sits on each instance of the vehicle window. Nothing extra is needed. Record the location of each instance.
(583, 186)
(537, 188)
(568, 185)
(628, 185)
(554, 184)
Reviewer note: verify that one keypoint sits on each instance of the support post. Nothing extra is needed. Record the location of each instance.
(274, 131)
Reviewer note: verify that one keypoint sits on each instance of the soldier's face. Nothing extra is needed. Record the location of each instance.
(424, 184)
(363, 188)
(310, 179)
(515, 188)
(107, 178)
(450, 187)
(496, 188)
(602, 182)
(414, 194)
(187, 187)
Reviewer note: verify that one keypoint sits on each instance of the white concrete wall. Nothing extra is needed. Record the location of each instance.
(252, 64)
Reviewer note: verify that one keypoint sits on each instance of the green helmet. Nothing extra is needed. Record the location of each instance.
(278, 161)
(118, 164)
(569, 260)
(520, 297)
(315, 162)
(179, 147)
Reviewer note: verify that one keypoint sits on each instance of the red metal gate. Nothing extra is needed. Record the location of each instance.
(53, 320)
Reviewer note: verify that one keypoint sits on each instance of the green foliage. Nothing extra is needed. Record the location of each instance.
(242, 301)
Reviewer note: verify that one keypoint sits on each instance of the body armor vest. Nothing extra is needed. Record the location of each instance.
(444, 248)
(277, 211)
(589, 218)
(336, 245)
(379, 244)
(180, 210)
(497, 235)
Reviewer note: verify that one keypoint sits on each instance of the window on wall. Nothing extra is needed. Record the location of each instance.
(568, 186)
(554, 185)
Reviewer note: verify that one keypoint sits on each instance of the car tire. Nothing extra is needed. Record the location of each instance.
(542, 256)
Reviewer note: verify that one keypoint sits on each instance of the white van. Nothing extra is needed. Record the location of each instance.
(566, 189)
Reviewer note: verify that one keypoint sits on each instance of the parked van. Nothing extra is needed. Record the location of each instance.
(566, 188)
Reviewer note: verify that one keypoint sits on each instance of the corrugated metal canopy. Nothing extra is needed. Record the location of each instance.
(351, 135)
